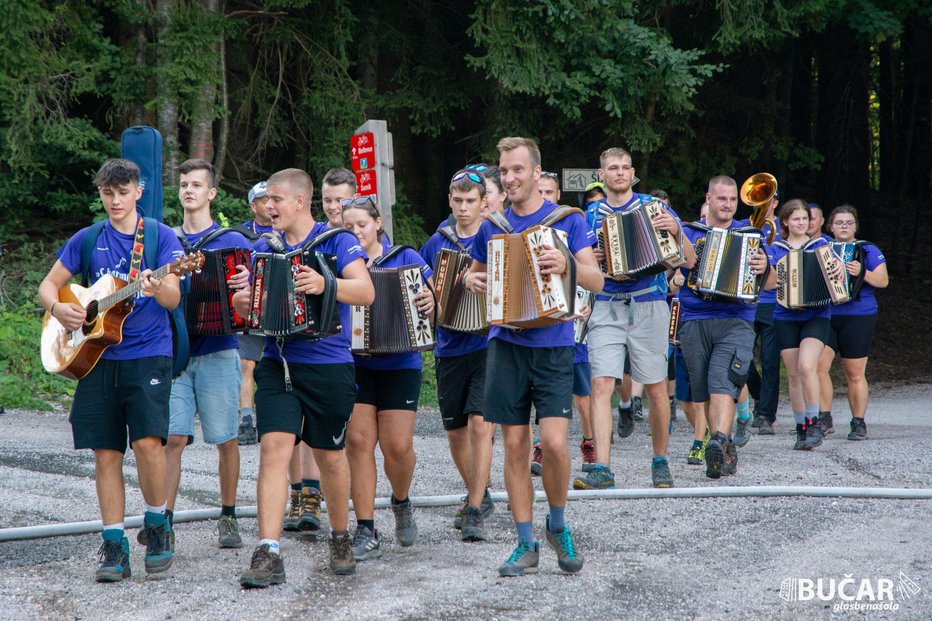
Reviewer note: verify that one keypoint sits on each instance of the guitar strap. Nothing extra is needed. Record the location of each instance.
(138, 246)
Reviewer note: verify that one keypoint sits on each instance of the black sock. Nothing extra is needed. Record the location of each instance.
(395, 501)
(370, 524)
(296, 486)
(228, 510)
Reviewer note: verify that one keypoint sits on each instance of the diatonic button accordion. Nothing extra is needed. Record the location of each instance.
(457, 309)
(803, 279)
(634, 247)
(392, 324)
(723, 264)
(209, 304)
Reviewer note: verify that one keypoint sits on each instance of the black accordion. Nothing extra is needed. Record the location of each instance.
(803, 279)
(848, 252)
(276, 309)
(633, 247)
(209, 304)
(723, 264)
(457, 309)
(392, 324)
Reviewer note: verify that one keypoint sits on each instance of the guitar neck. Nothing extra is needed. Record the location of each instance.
(129, 290)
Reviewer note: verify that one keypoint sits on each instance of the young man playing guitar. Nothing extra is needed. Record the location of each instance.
(127, 392)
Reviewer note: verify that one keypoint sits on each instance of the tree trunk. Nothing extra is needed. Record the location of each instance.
(167, 99)
(202, 128)
(224, 133)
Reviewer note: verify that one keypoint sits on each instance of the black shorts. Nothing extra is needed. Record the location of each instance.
(851, 335)
(460, 388)
(317, 408)
(250, 346)
(119, 398)
(389, 390)
(517, 377)
(791, 333)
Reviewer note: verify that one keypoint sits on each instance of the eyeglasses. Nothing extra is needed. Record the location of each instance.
(476, 167)
(472, 177)
(844, 224)
(551, 175)
(357, 201)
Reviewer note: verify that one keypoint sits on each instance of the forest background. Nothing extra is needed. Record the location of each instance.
(834, 97)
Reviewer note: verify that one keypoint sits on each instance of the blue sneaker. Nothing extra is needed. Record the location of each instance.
(158, 548)
(114, 561)
(567, 557)
(523, 560)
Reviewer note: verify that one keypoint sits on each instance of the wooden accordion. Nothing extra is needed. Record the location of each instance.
(518, 295)
(392, 324)
(803, 279)
(457, 309)
(209, 304)
(276, 309)
(633, 247)
(723, 264)
(848, 252)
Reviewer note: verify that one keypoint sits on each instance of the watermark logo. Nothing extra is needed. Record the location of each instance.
(865, 594)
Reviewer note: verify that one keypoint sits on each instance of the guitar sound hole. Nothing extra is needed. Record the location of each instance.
(90, 318)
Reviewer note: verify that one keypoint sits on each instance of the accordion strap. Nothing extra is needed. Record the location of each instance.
(325, 236)
(448, 230)
(275, 242)
(561, 212)
(391, 253)
(498, 219)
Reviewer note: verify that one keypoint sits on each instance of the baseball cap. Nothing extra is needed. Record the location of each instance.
(258, 191)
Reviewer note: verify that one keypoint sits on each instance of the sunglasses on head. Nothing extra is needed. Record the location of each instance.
(472, 177)
(476, 167)
(551, 175)
(356, 201)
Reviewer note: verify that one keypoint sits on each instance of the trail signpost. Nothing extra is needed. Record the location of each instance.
(372, 159)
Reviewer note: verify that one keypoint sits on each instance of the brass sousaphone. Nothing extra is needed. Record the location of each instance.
(756, 193)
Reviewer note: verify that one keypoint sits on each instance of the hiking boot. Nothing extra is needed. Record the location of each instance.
(730, 464)
(265, 568)
(637, 408)
(562, 542)
(142, 537)
(247, 434)
(765, 427)
(473, 528)
(813, 434)
(715, 455)
(660, 473)
(113, 563)
(858, 429)
(523, 560)
(742, 432)
(342, 559)
(405, 526)
(599, 477)
(367, 544)
(290, 523)
(537, 460)
(625, 422)
(825, 420)
(310, 509)
(696, 456)
(800, 437)
(228, 532)
(756, 421)
(158, 548)
(587, 448)
(487, 506)
(458, 516)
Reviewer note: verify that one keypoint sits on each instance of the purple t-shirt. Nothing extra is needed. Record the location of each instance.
(769, 296)
(775, 253)
(333, 349)
(411, 360)
(866, 302)
(146, 331)
(580, 353)
(657, 281)
(579, 236)
(693, 307)
(203, 345)
(258, 229)
(449, 342)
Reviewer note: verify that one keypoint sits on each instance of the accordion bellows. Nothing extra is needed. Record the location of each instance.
(633, 247)
(518, 295)
(458, 310)
(209, 305)
(392, 324)
(803, 279)
(723, 264)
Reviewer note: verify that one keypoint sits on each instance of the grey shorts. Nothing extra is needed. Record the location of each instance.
(638, 329)
(718, 355)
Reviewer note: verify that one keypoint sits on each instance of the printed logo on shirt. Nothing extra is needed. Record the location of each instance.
(355, 248)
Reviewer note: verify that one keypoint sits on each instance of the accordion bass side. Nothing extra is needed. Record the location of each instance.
(276, 309)
(848, 252)
(209, 305)
(457, 309)
(723, 265)
(803, 279)
(518, 295)
(392, 324)
(584, 297)
(673, 330)
(633, 247)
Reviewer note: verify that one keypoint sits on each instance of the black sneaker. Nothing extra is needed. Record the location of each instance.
(265, 569)
(858, 429)
(625, 422)
(473, 527)
(800, 437)
(715, 455)
(113, 563)
(158, 548)
(342, 561)
(637, 408)
(825, 419)
(813, 434)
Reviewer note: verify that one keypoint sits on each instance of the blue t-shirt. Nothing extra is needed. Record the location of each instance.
(693, 307)
(203, 345)
(258, 229)
(146, 331)
(579, 236)
(775, 253)
(769, 296)
(410, 360)
(333, 349)
(449, 342)
(866, 302)
(657, 281)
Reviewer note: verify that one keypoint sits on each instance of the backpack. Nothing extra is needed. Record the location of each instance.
(181, 346)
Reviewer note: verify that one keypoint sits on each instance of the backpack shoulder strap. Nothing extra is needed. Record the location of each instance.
(498, 219)
(246, 232)
(392, 252)
(179, 233)
(87, 249)
(698, 226)
(449, 231)
(561, 212)
(211, 237)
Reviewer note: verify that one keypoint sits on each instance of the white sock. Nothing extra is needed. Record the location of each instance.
(275, 547)
(625, 405)
(117, 526)
(160, 509)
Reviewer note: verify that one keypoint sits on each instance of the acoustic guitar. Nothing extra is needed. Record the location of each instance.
(108, 303)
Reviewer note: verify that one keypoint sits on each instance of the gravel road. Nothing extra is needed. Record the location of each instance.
(666, 558)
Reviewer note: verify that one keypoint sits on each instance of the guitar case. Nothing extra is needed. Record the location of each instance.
(142, 145)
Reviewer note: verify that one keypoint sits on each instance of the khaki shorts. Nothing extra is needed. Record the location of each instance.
(639, 329)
